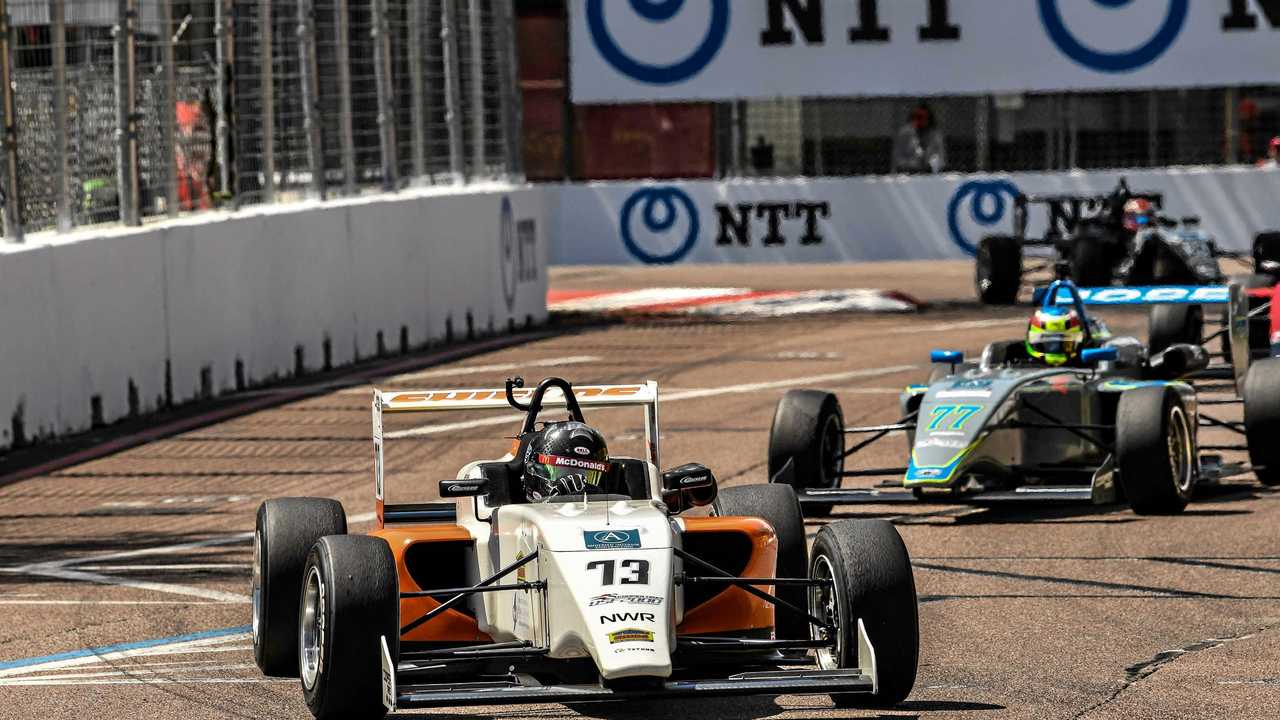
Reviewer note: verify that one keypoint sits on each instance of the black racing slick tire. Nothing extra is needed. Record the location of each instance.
(284, 533)
(1262, 419)
(1155, 450)
(998, 269)
(1266, 255)
(808, 431)
(870, 571)
(350, 600)
(1173, 324)
(1260, 327)
(777, 505)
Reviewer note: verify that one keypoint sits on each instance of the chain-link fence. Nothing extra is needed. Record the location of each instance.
(1058, 131)
(123, 110)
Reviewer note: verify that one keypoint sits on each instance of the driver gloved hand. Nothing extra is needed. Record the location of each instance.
(568, 485)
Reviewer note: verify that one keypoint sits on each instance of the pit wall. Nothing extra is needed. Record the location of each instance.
(861, 219)
(107, 325)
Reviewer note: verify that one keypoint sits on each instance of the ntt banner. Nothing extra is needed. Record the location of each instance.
(823, 220)
(647, 50)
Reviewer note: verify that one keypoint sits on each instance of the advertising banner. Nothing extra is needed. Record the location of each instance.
(655, 50)
(814, 220)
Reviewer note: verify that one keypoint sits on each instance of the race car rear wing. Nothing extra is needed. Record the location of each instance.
(643, 395)
(1232, 296)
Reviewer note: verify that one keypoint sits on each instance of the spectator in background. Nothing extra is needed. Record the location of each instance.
(1272, 161)
(919, 146)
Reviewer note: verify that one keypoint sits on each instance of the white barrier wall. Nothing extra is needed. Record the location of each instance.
(861, 219)
(127, 321)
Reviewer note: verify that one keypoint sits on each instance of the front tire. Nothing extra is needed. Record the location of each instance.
(777, 505)
(808, 430)
(998, 269)
(350, 600)
(870, 571)
(1262, 419)
(285, 531)
(1266, 254)
(1155, 450)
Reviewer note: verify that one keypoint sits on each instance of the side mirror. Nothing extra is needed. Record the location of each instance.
(1178, 360)
(948, 357)
(1093, 356)
(688, 486)
(466, 487)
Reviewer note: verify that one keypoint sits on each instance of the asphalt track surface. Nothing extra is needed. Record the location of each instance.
(124, 579)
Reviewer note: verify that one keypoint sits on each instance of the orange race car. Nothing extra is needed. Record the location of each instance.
(564, 574)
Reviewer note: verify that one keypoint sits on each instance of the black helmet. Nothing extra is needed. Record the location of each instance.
(565, 458)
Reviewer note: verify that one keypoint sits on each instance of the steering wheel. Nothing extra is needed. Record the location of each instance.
(534, 407)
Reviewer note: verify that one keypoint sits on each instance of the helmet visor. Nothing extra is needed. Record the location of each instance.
(1055, 344)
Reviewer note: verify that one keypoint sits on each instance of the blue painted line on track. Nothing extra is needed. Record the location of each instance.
(120, 647)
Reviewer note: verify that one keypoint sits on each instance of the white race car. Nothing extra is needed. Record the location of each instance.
(498, 600)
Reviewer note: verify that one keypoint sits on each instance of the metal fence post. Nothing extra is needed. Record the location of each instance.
(223, 124)
(310, 94)
(126, 107)
(475, 24)
(381, 33)
(453, 88)
(1153, 128)
(510, 92)
(267, 82)
(12, 190)
(982, 133)
(168, 119)
(417, 90)
(346, 140)
(62, 171)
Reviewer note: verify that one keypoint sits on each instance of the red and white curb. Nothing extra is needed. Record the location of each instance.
(714, 301)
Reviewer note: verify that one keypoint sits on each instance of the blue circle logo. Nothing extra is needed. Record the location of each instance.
(658, 11)
(660, 209)
(1114, 62)
(987, 200)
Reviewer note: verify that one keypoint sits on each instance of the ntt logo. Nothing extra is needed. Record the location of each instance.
(987, 200)
(657, 12)
(1118, 61)
(657, 212)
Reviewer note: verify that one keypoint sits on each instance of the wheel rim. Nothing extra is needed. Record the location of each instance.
(312, 635)
(1178, 439)
(831, 451)
(824, 604)
(256, 586)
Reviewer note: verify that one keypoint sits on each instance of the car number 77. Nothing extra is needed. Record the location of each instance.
(962, 413)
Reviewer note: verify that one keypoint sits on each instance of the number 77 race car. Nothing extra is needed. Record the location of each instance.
(578, 597)
(1120, 422)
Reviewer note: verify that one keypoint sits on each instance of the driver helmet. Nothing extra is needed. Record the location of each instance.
(565, 458)
(1055, 335)
(1138, 214)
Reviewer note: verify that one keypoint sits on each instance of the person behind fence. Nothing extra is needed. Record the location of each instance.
(1272, 161)
(919, 146)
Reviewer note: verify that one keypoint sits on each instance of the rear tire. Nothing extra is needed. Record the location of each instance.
(808, 430)
(1266, 249)
(777, 505)
(1155, 450)
(1259, 328)
(998, 269)
(1262, 419)
(1172, 324)
(285, 531)
(350, 599)
(871, 570)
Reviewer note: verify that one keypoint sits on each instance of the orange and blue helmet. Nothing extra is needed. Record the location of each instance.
(1055, 335)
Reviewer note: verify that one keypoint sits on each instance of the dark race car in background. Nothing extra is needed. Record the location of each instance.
(1086, 240)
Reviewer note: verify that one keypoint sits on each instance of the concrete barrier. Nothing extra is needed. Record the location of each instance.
(103, 326)
(865, 219)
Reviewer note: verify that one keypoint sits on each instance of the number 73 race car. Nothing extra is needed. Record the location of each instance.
(1120, 423)
(576, 598)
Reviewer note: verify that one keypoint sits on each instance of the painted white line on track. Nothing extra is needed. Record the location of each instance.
(697, 394)
(221, 643)
(150, 681)
(64, 573)
(128, 671)
(499, 367)
(962, 325)
(166, 568)
(123, 602)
